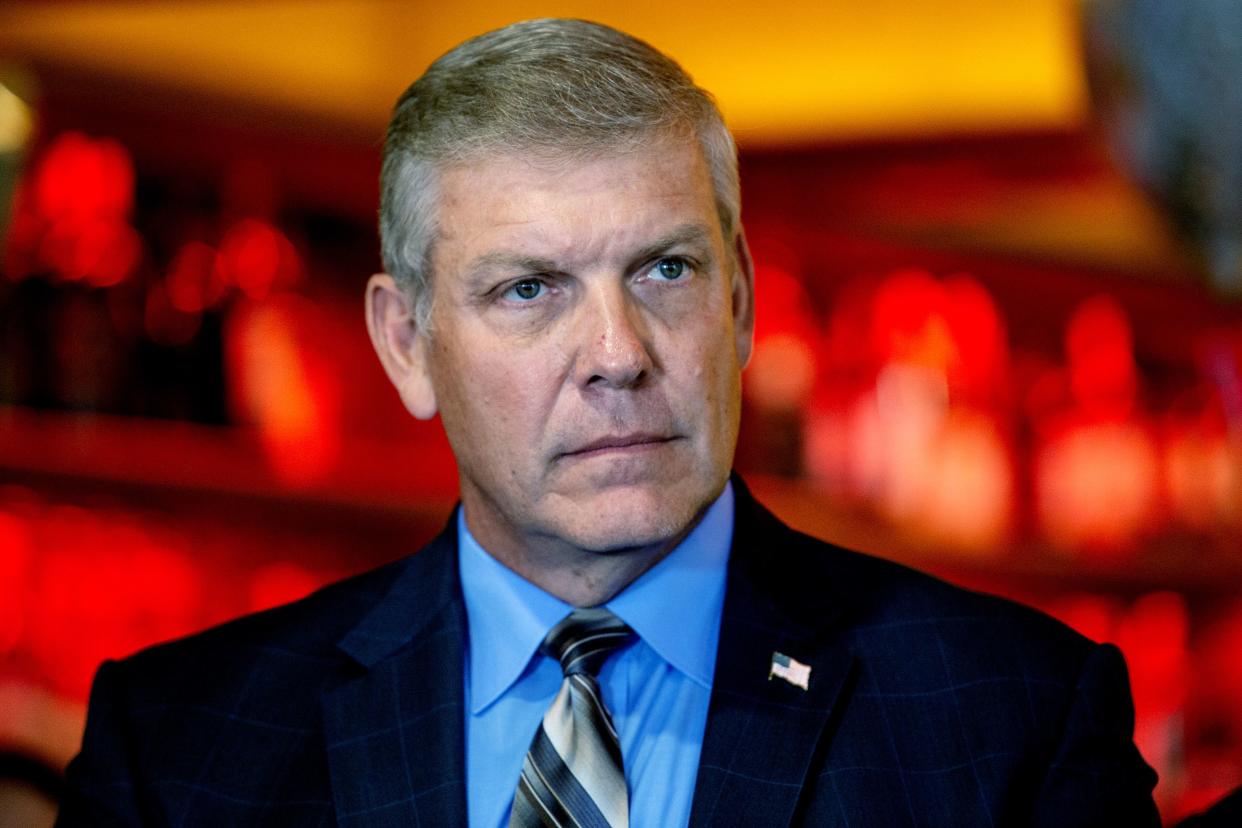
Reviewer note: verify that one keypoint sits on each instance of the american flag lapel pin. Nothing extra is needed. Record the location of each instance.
(791, 670)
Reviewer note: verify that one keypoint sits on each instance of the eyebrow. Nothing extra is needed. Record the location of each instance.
(691, 234)
(517, 261)
(685, 234)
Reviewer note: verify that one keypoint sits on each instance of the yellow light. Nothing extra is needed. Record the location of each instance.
(800, 70)
(16, 122)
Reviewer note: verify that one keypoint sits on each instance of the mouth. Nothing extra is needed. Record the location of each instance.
(619, 444)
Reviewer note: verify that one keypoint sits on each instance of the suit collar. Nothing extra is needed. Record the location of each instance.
(769, 563)
(405, 703)
(394, 726)
(424, 589)
(763, 734)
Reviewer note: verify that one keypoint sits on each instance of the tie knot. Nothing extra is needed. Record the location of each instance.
(584, 639)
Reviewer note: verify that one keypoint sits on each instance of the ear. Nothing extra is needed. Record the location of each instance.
(401, 344)
(743, 299)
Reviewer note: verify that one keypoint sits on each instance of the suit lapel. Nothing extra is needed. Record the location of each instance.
(394, 730)
(763, 734)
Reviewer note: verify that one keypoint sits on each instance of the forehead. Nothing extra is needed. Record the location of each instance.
(575, 206)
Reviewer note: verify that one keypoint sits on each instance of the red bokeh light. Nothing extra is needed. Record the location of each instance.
(1202, 468)
(99, 252)
(15, 561)
(280, 583)
(952, 327)
(106, 586)
(72, 217)
(258, 258)
(979, 374)
(1097, 486)
(782, 369)
(1095, 616)
(80, 178)
(194, 282)
(1100, 351)
(1154, 633)
(915, 425)
(283, 386)
(909, 322)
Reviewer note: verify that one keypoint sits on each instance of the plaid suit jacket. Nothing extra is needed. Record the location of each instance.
(926, 705)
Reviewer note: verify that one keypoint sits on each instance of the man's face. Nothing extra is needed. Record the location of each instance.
(588, 328)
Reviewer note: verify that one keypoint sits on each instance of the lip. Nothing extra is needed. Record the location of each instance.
(624, 443)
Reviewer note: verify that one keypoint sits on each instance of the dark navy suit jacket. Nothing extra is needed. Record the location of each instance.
(927, 705)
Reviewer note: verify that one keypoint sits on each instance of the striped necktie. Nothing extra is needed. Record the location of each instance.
(573, 775)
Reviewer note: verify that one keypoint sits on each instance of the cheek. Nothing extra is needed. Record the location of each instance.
(707, 380)
(499, 398)
(490, 396)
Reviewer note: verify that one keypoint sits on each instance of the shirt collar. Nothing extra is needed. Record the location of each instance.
(674, 607)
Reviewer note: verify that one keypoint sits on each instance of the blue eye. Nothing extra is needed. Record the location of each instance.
(670, 269)
(525, 290)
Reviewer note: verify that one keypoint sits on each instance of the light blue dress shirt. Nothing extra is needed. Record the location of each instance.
(656, 689)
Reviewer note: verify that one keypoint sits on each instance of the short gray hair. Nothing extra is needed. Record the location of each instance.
(563, 88)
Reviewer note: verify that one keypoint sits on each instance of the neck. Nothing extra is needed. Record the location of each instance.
(585, 579)
(579, 577)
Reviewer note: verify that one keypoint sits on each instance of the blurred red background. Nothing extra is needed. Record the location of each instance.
(982, 349)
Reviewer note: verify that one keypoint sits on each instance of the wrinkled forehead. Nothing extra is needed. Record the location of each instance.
(556, 155)
(577, 200)
(674, 157)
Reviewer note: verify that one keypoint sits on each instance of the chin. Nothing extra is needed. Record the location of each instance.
(617, 520)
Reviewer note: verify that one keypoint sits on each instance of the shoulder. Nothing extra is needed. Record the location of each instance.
(296, 648)
(956, 680)
(901, 610)
(295, 639)
(308, 624)
(900, 613)
(252, 688)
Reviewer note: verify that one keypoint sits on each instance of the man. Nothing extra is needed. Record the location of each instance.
(569, 289)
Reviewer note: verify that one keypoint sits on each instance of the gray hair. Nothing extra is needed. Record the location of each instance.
(565, 89)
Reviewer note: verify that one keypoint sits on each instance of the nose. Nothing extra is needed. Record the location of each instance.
(613, 335)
